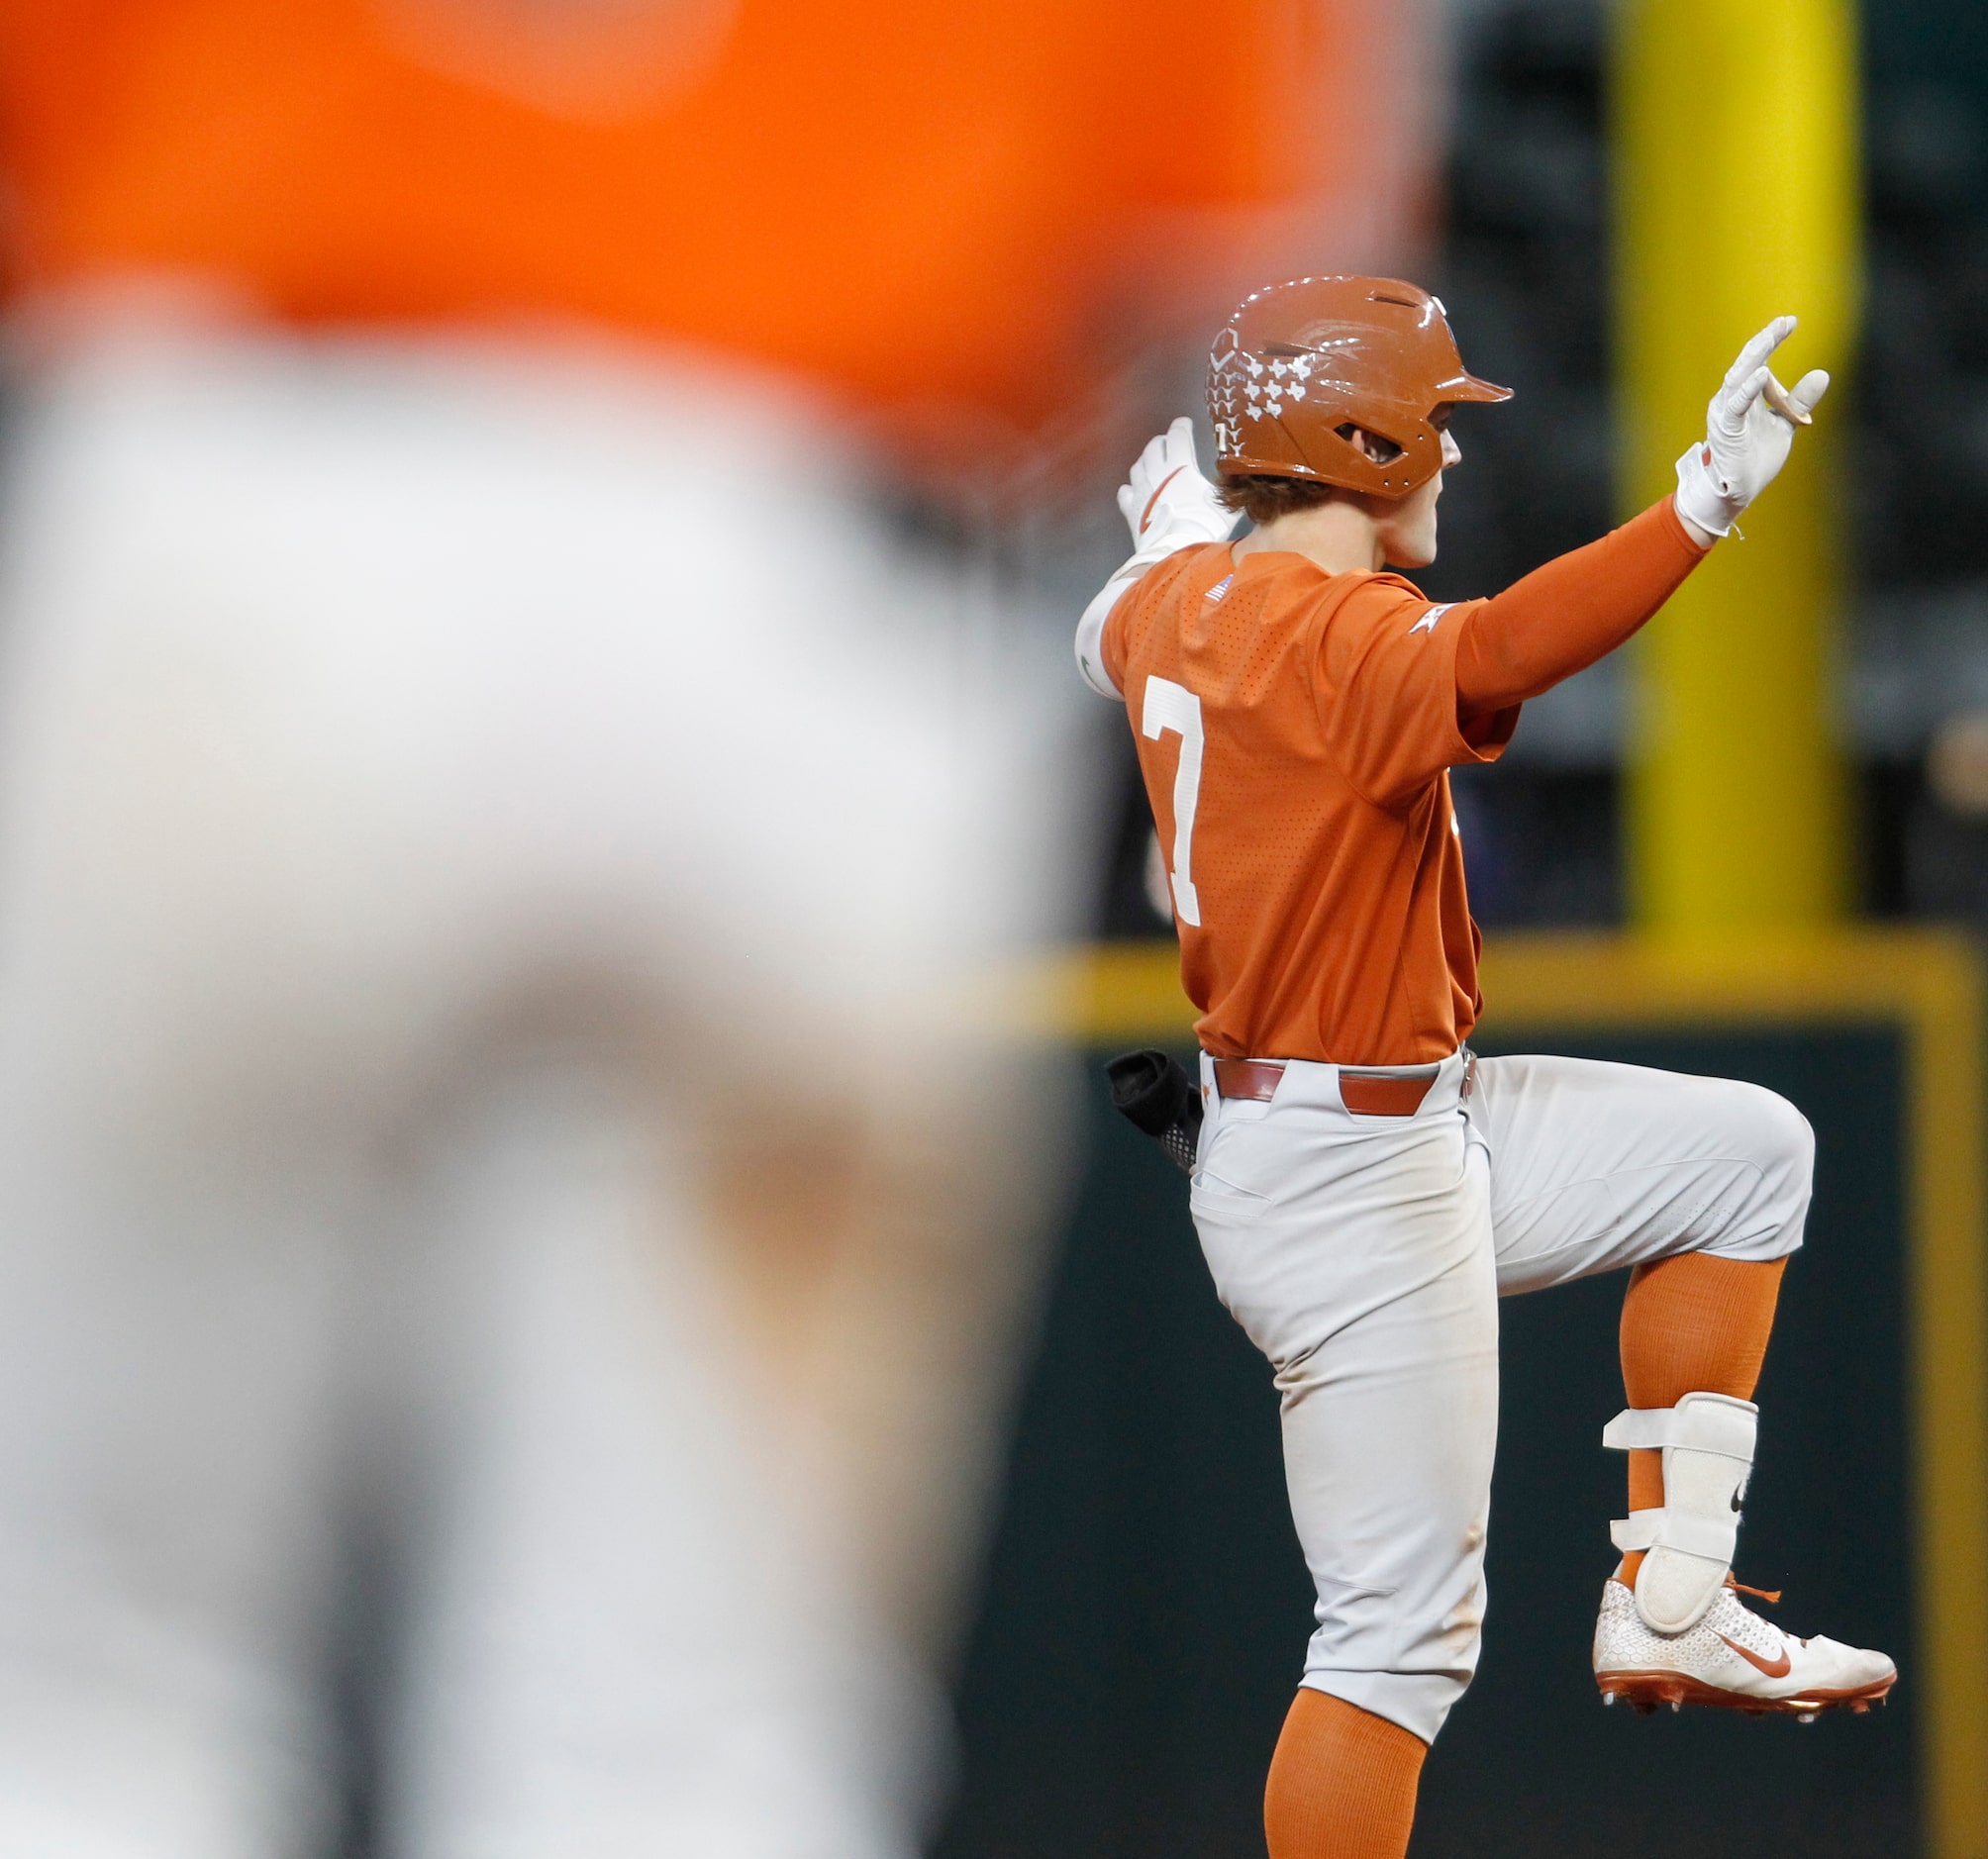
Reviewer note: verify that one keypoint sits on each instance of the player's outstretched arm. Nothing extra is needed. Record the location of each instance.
(1561, 617)
(1167, 505)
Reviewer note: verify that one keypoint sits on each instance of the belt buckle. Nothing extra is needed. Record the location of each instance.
(1469, 1075)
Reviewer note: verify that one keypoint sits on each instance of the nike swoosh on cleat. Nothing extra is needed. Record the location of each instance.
(1777, 1668)
(1146, 514)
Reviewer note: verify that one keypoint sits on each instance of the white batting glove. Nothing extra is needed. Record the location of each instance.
(1166, 503)
(1747, 437)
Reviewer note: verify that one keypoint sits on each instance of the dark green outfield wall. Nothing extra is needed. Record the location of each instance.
(1146, 1607)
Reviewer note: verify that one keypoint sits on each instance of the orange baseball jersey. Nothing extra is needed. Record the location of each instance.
(1295, 730)
(904, 203)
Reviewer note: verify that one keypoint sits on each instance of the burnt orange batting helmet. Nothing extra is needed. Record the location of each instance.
(1300, 364)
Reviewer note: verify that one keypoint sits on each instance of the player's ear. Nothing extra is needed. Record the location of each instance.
(1369, 444)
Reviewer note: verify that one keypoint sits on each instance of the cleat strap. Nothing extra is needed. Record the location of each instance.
(1700, 1422)
(1638, 1429)
(1638, 1531)
(1709, 1536)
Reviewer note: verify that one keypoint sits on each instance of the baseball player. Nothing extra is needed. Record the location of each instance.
(1365, 1188)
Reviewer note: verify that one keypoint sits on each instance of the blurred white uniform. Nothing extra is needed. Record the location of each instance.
(480, 1151)
(493, 846)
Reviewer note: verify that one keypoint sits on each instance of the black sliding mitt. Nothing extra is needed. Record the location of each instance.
(1153, 1091)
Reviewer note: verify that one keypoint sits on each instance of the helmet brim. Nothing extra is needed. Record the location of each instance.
(1471, 388)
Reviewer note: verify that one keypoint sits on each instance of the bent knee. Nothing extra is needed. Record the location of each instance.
(1761, 1128)
(1775, 1134)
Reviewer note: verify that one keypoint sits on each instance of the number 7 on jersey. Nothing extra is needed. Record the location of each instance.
(1170, 706)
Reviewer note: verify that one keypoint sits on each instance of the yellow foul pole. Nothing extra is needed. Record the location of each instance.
(1736, 194)
(1735, 189)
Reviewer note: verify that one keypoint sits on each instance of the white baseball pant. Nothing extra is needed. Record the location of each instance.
(1365, 1256)
(487, 835)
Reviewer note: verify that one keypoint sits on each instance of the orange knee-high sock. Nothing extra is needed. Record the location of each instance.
(1341, 1782)
(1692, 1324)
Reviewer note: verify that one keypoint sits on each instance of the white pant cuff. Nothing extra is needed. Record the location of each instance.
(1419, 1702)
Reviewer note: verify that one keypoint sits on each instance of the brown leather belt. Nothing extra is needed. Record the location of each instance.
(1369, 1093)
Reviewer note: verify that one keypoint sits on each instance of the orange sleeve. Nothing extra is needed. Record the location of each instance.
(1387, 692)
(1576, 608)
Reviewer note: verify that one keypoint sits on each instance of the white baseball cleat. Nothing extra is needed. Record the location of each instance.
(1731, 1659)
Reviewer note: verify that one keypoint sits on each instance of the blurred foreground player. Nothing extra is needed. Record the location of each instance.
(506, 1249)
(1366, 1189)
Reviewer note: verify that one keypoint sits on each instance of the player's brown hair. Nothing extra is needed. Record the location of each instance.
(1264, 499)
